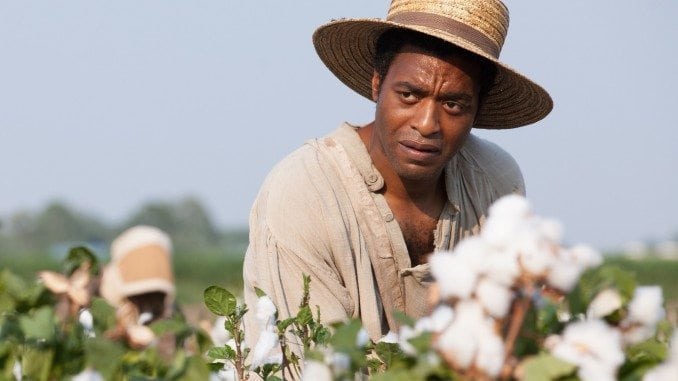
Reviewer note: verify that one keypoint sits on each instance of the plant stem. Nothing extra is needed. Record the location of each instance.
(520, 308)
(239, 361)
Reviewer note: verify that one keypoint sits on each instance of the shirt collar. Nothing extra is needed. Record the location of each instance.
(347, 136)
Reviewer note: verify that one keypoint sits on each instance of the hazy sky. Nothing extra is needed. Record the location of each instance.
(107, 104)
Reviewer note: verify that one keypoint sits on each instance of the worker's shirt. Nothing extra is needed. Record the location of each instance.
(320, 212)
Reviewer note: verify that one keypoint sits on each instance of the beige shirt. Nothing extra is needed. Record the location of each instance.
(320, 213)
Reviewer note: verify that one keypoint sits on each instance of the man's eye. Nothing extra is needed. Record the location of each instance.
(454, 106)
(407, 96)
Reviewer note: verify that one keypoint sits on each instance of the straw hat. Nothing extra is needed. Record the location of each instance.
(347, 47)
(140, 263)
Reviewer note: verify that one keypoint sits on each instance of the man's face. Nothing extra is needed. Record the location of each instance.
(425, 110)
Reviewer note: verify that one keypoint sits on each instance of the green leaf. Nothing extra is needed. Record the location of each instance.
(403, 319)
(220, 353)
(219, 301)
(172, 325)
(283, 324)
(344, 338)
(421, 343)
(11, 283)
(304, 316)
(547, 319)
(388, 353)
(37, 363)
(595, 280)
(79, 255)
(259, 292)
(641, 357)
(545, 367)
(177, 367)
(320, 335)
(103, 314)
(39, 325)
(195, 369)
(104, 355)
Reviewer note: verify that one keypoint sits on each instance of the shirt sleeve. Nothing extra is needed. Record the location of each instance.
(289, 238)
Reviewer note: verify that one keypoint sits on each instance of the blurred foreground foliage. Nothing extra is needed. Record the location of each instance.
(40, 340)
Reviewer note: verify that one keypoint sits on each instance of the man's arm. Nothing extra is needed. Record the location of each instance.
(290, 226)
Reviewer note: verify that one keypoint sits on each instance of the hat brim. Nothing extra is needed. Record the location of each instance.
(347, 48)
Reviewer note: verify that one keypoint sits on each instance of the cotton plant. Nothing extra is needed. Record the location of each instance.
(490, 280)
(518, 304)
(271, 357)
(512, 302)
(55, 327)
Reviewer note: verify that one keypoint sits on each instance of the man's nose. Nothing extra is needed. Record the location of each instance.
(426, 118)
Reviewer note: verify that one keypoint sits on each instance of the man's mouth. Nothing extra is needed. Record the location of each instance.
(420, 151)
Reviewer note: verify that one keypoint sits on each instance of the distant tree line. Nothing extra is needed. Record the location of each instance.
(59, 225)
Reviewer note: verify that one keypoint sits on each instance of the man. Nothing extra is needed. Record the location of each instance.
(359, 210)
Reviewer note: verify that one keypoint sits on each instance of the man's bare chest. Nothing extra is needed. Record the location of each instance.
(418, 234)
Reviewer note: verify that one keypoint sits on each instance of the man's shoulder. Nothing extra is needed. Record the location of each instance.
(298, 168)
(494, 162)
(487, 153)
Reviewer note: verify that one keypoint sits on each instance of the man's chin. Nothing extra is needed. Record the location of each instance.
(419, 173)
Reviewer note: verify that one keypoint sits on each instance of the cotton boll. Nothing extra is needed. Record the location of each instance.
(500, 233)
(341, 362)
(316, 371)
(585, 256)
(459, 344)
(219, 335)
(17, 371)
(564, 275)
(473, 251)
(550, 229)
(506, 218)
(265, 350)
(88, 375)
(593, 346)
(638, 333)
(470, 313)
(406, 333)
(453, 275)
(663, 372)
(535, 257)
(362, 338)
(391, 338)
(87, 321)
(144, 318)
(227, 373)
(439, 319)
(490, 357)
(502, 267)
(646, 305)
(512, 206)
(495, 298)
(265, 311)
(605, 303)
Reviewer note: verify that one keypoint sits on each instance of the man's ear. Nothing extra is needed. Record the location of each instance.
(376, 82)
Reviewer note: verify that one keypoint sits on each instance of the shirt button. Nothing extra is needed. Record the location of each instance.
(372, 178)
(389, 217)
